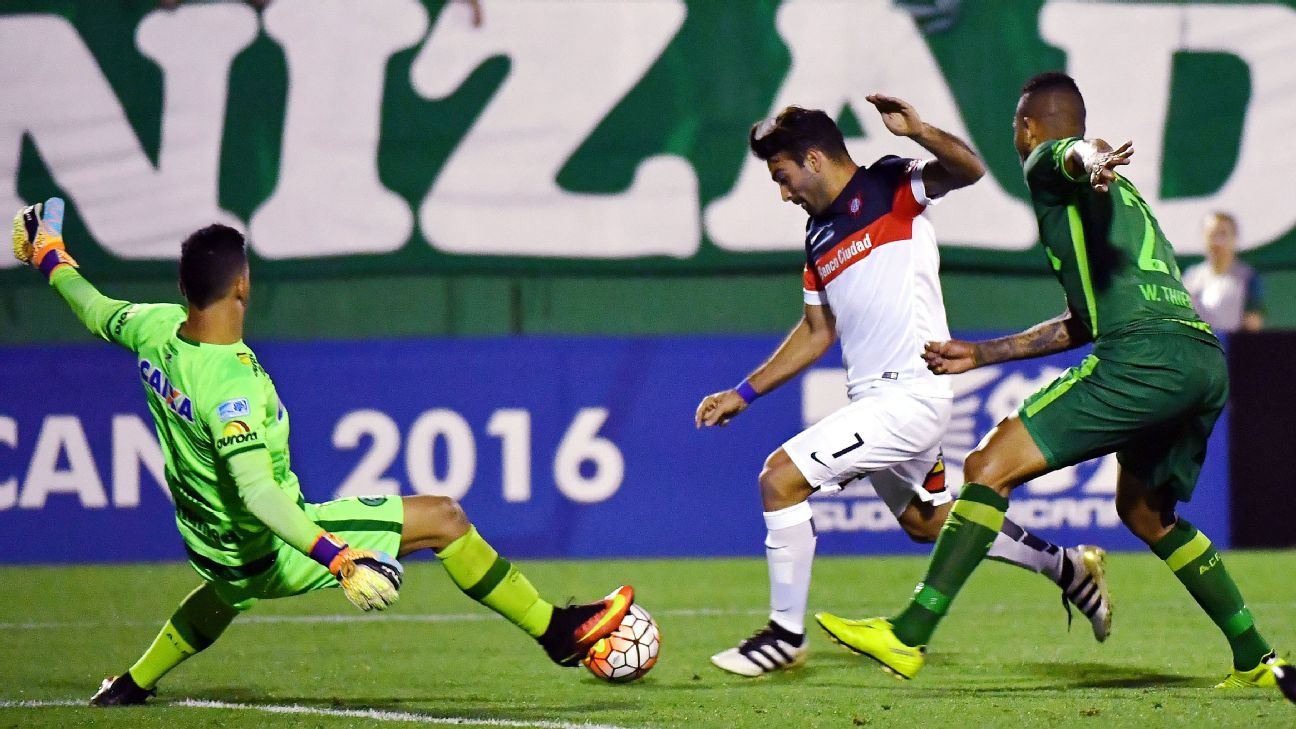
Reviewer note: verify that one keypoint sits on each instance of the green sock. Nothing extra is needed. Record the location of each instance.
(1198, 565)
(964, 541)
(196, 624)
(489, 579)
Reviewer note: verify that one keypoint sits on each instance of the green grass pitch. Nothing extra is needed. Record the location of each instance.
(1004, 657)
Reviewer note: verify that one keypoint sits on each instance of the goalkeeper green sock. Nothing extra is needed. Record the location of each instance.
(196, 624)
(1198, 565)
(491, 580)
(964, 541)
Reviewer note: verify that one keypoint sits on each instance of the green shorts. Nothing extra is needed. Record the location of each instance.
(1152, 398)
(362, 522)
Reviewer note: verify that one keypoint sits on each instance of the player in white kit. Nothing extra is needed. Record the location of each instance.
(871, 282)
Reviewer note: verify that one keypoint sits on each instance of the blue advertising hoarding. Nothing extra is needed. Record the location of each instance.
(557, 447)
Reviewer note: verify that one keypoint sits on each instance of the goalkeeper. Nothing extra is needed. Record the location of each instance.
(224, 434)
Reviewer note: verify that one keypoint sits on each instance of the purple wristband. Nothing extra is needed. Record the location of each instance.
(49, 262)
(747, 392)
(326, 549)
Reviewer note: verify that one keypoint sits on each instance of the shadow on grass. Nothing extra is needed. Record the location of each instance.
(1103, 675)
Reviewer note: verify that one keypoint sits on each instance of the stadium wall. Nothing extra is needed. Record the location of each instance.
(557, 447)
(392, 306)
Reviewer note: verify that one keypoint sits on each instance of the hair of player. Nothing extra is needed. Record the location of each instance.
(1051, 82)
(211, 259)
(795, 131)
(1222, 217)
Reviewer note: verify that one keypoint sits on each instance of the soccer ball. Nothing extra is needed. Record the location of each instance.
(629, 652)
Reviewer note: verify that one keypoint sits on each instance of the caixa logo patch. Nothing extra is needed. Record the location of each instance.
(1078, 497)
(155, 380)
(236, 432)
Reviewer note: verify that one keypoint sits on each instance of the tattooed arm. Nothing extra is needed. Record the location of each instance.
(1055, 335)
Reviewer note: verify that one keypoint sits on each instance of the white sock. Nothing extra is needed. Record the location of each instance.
(1015, 545)
(789, 549)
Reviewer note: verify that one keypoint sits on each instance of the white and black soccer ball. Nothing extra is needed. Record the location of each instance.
(629, 652)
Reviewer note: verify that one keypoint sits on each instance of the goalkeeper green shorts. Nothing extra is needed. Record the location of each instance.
(372, 523)
(1153, 399)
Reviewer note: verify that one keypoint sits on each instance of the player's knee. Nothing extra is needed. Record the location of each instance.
(923, 532)
(1146, 523)
(443, 514)
(988, 470)
(781, 484)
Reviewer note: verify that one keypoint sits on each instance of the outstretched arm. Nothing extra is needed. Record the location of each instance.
(955, 166)
(95, 310)
(1055, 335)
(1096, 160)
(805, 344)
(38, 242)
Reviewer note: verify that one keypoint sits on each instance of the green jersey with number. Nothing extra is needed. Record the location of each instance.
(1108, 252)
(209, 402)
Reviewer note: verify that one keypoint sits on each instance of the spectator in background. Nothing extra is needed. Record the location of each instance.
(1226, 291)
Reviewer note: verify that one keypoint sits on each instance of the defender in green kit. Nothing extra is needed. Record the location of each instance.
(1150, 392)
(224, 434)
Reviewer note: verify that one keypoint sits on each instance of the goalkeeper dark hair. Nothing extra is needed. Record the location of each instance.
(211, 259)
(795, 131)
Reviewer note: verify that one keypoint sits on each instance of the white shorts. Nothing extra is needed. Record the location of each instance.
(890, 436)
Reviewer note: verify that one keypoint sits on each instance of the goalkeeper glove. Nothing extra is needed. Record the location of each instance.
(38, 237)
(370, 580)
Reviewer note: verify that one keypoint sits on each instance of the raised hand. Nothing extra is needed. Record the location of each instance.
(1102, 168)
(897, 114)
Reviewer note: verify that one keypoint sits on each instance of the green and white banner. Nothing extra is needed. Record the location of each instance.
(570, 135)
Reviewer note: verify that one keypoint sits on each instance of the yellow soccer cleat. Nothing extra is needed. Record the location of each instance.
(875, 638)
(1262, 676)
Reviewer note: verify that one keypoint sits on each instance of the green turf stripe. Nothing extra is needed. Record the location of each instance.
(986, 516)
(360, 525)
(1238, 623)
(932, 599)
(490, 580)
(1195, 548)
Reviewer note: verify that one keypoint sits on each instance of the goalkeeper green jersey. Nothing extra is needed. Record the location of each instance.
(1108, 252)
(210, 404)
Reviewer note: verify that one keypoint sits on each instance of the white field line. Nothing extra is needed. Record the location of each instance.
(370, 714)
(359, 619)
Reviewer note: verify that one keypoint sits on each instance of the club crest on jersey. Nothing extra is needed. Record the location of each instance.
(235, 432)
(856, 205)
(231, 409)
(176, 401)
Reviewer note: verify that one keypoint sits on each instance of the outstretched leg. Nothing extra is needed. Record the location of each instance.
(1079, 571)
(196, 624)
(566, 633)
(1150, 515)
(1006, 458)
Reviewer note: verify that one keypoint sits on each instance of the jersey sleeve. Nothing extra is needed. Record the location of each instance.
(812, 286)
(905, 177)
(120, 322)
(235, 419)
(1045, 168)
